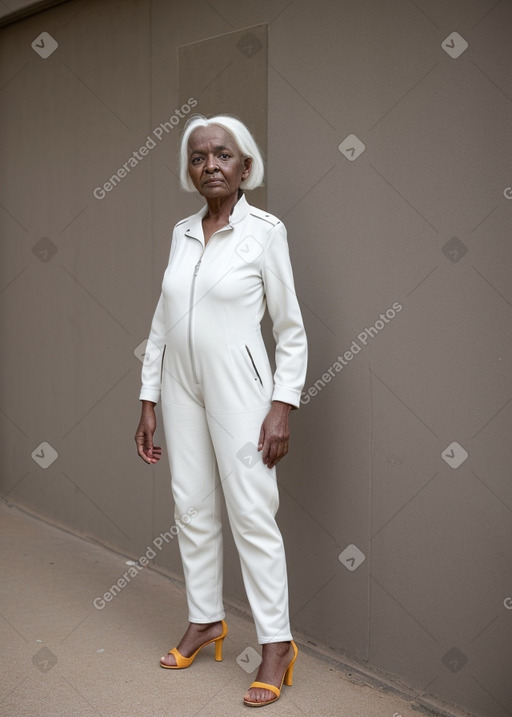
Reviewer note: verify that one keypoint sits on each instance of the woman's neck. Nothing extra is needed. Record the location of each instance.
(219, 210)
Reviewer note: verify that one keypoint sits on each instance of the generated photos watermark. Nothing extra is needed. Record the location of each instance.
(363, 338)
(138, 155)
(137, 567)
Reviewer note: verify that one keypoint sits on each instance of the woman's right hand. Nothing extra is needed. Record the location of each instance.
(145, 432)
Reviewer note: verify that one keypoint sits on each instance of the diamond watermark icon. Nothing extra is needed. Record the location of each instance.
(44, 249)
(44, 455)
(147, 352)
(454, 455)
(248, 659)
(351, 557)
(454, 659)
(44, 45)
(248, 454)
(454, 249)
(454, 45)
(44, 659)
(249, 44)
(249, 249)
(351, 147)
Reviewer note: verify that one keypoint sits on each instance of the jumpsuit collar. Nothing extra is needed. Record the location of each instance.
(194, 228)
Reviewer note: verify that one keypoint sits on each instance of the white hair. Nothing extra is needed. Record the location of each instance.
(243, 139)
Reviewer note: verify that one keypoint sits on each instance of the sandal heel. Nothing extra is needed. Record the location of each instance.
(288, 677)
(218, 649)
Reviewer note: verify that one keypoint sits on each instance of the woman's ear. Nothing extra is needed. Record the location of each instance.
(247, 167)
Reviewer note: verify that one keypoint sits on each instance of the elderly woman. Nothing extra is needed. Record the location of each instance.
(225, 415)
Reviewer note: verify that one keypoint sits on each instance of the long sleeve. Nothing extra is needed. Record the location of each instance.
(152, 364)
(288, 327)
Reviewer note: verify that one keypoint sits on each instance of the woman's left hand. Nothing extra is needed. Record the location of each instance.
(274, 434)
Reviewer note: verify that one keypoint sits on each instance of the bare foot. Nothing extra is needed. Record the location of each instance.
(276, 656)
(195, 636)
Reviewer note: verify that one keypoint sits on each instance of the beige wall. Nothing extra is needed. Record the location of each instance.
(80, 276)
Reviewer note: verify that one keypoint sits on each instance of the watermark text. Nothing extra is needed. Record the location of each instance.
(137, 567)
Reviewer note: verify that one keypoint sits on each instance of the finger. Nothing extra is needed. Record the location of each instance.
(272, 454)
(155, 454)
(144, 457)
(144, 454)
(261, 439)
(265, 451)
(280, 450)
(275, 457)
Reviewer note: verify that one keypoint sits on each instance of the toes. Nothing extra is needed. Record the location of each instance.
(257, 695)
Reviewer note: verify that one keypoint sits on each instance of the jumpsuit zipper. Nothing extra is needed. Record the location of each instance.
(190, 342)
(190, 315)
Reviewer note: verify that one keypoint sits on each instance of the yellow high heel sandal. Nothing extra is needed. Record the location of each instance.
(287, 679)
(182, 662)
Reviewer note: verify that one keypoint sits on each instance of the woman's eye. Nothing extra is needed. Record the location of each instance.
(195, 160)
(224, 156)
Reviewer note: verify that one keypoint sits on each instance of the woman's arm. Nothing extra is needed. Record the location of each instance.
(152, 364)
(287, 325)
(150, 391)
(291, 347)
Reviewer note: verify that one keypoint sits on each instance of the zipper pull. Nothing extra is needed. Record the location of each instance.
(197, 267)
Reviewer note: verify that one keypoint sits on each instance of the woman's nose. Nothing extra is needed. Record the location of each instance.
(211, 163)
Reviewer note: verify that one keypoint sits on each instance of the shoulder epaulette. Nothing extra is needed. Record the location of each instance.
(265, 216)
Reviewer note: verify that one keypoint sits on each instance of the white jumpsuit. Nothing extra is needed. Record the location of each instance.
(215, 384)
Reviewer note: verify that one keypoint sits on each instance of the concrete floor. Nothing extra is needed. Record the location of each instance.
(61, 656)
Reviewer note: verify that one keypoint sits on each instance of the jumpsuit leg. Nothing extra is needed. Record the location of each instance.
(196, 491)
(251, 496)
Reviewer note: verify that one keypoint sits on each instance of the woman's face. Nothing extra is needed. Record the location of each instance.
(215, 164)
